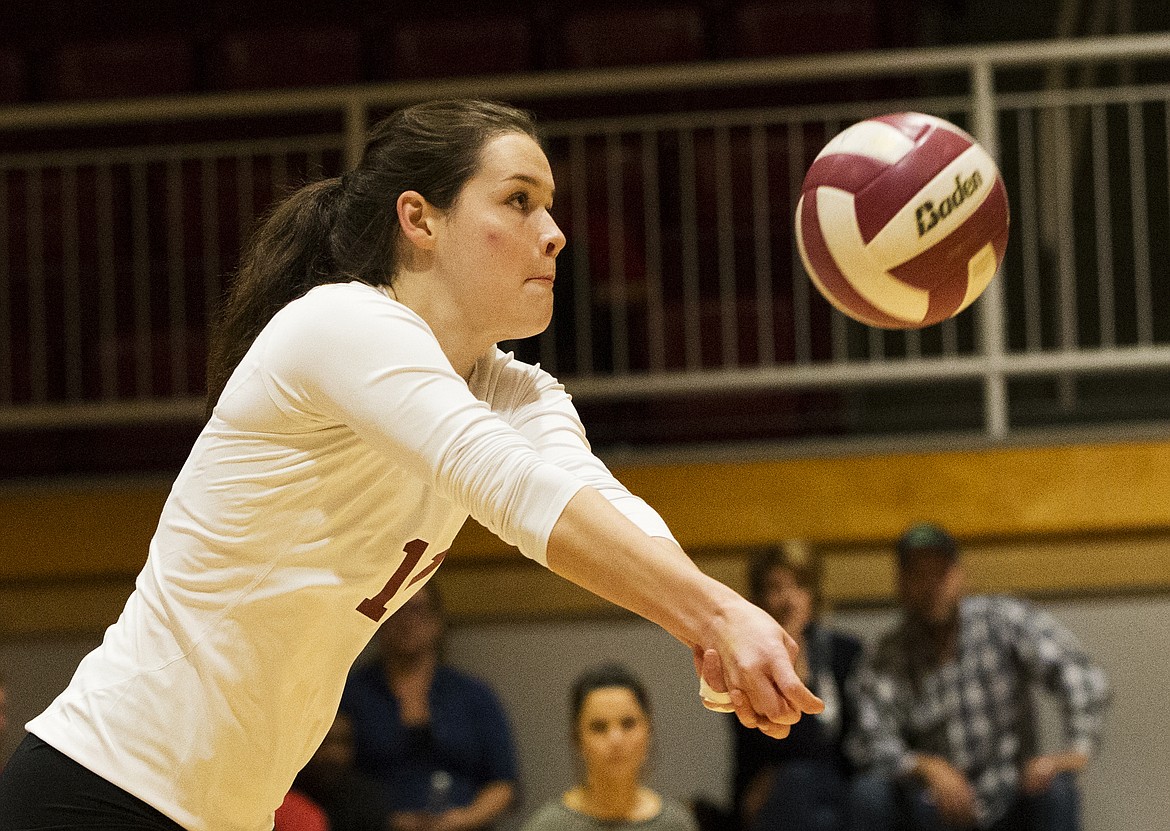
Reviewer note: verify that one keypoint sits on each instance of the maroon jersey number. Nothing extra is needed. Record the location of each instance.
(375, 607)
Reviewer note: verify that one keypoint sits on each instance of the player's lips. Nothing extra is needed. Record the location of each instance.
(543, 278)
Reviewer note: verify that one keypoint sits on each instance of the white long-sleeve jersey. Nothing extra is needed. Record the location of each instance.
(340, 462)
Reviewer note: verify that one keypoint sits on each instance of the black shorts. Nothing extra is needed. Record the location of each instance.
(42, 788)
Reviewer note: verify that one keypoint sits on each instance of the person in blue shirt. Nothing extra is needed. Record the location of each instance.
(437, 739)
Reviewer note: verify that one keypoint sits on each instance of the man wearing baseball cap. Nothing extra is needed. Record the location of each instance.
(946, 727)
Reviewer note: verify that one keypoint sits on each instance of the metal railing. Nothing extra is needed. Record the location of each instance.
(681, 277)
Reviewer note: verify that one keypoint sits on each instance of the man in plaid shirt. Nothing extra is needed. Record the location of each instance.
(946, 726)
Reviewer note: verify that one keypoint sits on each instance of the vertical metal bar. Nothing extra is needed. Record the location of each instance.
(762, 234)
(1099, 132)
(1141, 225)
(5, 292)
(616, 230)
(107, 288)
(209, 225)
(1029, 232)
(37, 309)
(875, 344)
(279, 174)
(1066, 253)
(356, 124)
(583, 322)
(245, 196)
(912, 338)
(725, 244)
(801, 298)
(992, 315)
(71, 285)
(654, 312)
(176, 278)
(949, 331)
(140, 271)
(692, 312)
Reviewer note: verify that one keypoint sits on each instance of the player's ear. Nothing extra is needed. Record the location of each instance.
(416, 219)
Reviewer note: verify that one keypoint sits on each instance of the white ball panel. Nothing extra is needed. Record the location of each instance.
(870, 138)
(867, 275)
(812, 274)
(902, 238)
(980, 270)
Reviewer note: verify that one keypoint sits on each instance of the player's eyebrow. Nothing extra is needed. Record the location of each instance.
(531, 180)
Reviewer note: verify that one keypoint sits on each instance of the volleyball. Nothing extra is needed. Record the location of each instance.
(902, 220)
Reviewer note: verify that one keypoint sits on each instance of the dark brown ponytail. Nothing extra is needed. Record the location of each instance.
(339, 230)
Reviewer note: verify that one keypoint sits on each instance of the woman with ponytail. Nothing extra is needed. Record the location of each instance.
(359, 412)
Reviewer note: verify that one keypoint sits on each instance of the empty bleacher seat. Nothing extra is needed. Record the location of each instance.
(13, 76)
(618, 36)
(767, 28)
(286, 56)
(451, 47)
(150, 64)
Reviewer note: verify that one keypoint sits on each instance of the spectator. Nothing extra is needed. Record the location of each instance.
(3, 719)
(946, 720)
(799, 783)
(437, 739)
(351, 800)
(611, 727)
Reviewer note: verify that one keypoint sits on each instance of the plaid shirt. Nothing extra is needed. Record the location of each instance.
(976, 710)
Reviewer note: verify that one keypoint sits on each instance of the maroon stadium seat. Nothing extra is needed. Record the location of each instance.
(13, 76)
(604, 37)
(151, 64)
(451, 47)
(286, 56)
(794, 27)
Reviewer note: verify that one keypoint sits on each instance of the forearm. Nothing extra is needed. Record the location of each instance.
(1068, 761)
(596, 547)
(491, 801)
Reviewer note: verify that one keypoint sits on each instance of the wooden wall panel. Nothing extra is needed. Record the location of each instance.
(1040, 520)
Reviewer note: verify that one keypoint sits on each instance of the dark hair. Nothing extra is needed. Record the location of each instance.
(764, 560)
(346, 228)
(606, 675)
(926, 538)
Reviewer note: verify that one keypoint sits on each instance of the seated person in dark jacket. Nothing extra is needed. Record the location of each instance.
(798, 783)
(352, 801)
(437, 739)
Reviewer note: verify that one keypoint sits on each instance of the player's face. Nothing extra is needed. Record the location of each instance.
(500, 243)
(931, 586)
(613, 733)
(785, 599)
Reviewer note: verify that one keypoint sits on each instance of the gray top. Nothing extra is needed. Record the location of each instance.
(556, 816)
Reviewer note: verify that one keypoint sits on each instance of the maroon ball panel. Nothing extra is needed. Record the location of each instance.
(838, 290)
(945, 263)
(877, 203)
(847, 171)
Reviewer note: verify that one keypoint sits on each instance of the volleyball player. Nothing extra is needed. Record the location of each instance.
(360, 412)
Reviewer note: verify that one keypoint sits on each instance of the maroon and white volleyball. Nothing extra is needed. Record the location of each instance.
(902, 220)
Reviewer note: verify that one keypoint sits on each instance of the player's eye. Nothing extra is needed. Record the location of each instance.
(520, 200)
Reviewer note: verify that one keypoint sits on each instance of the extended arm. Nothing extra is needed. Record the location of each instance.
(596, 547)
